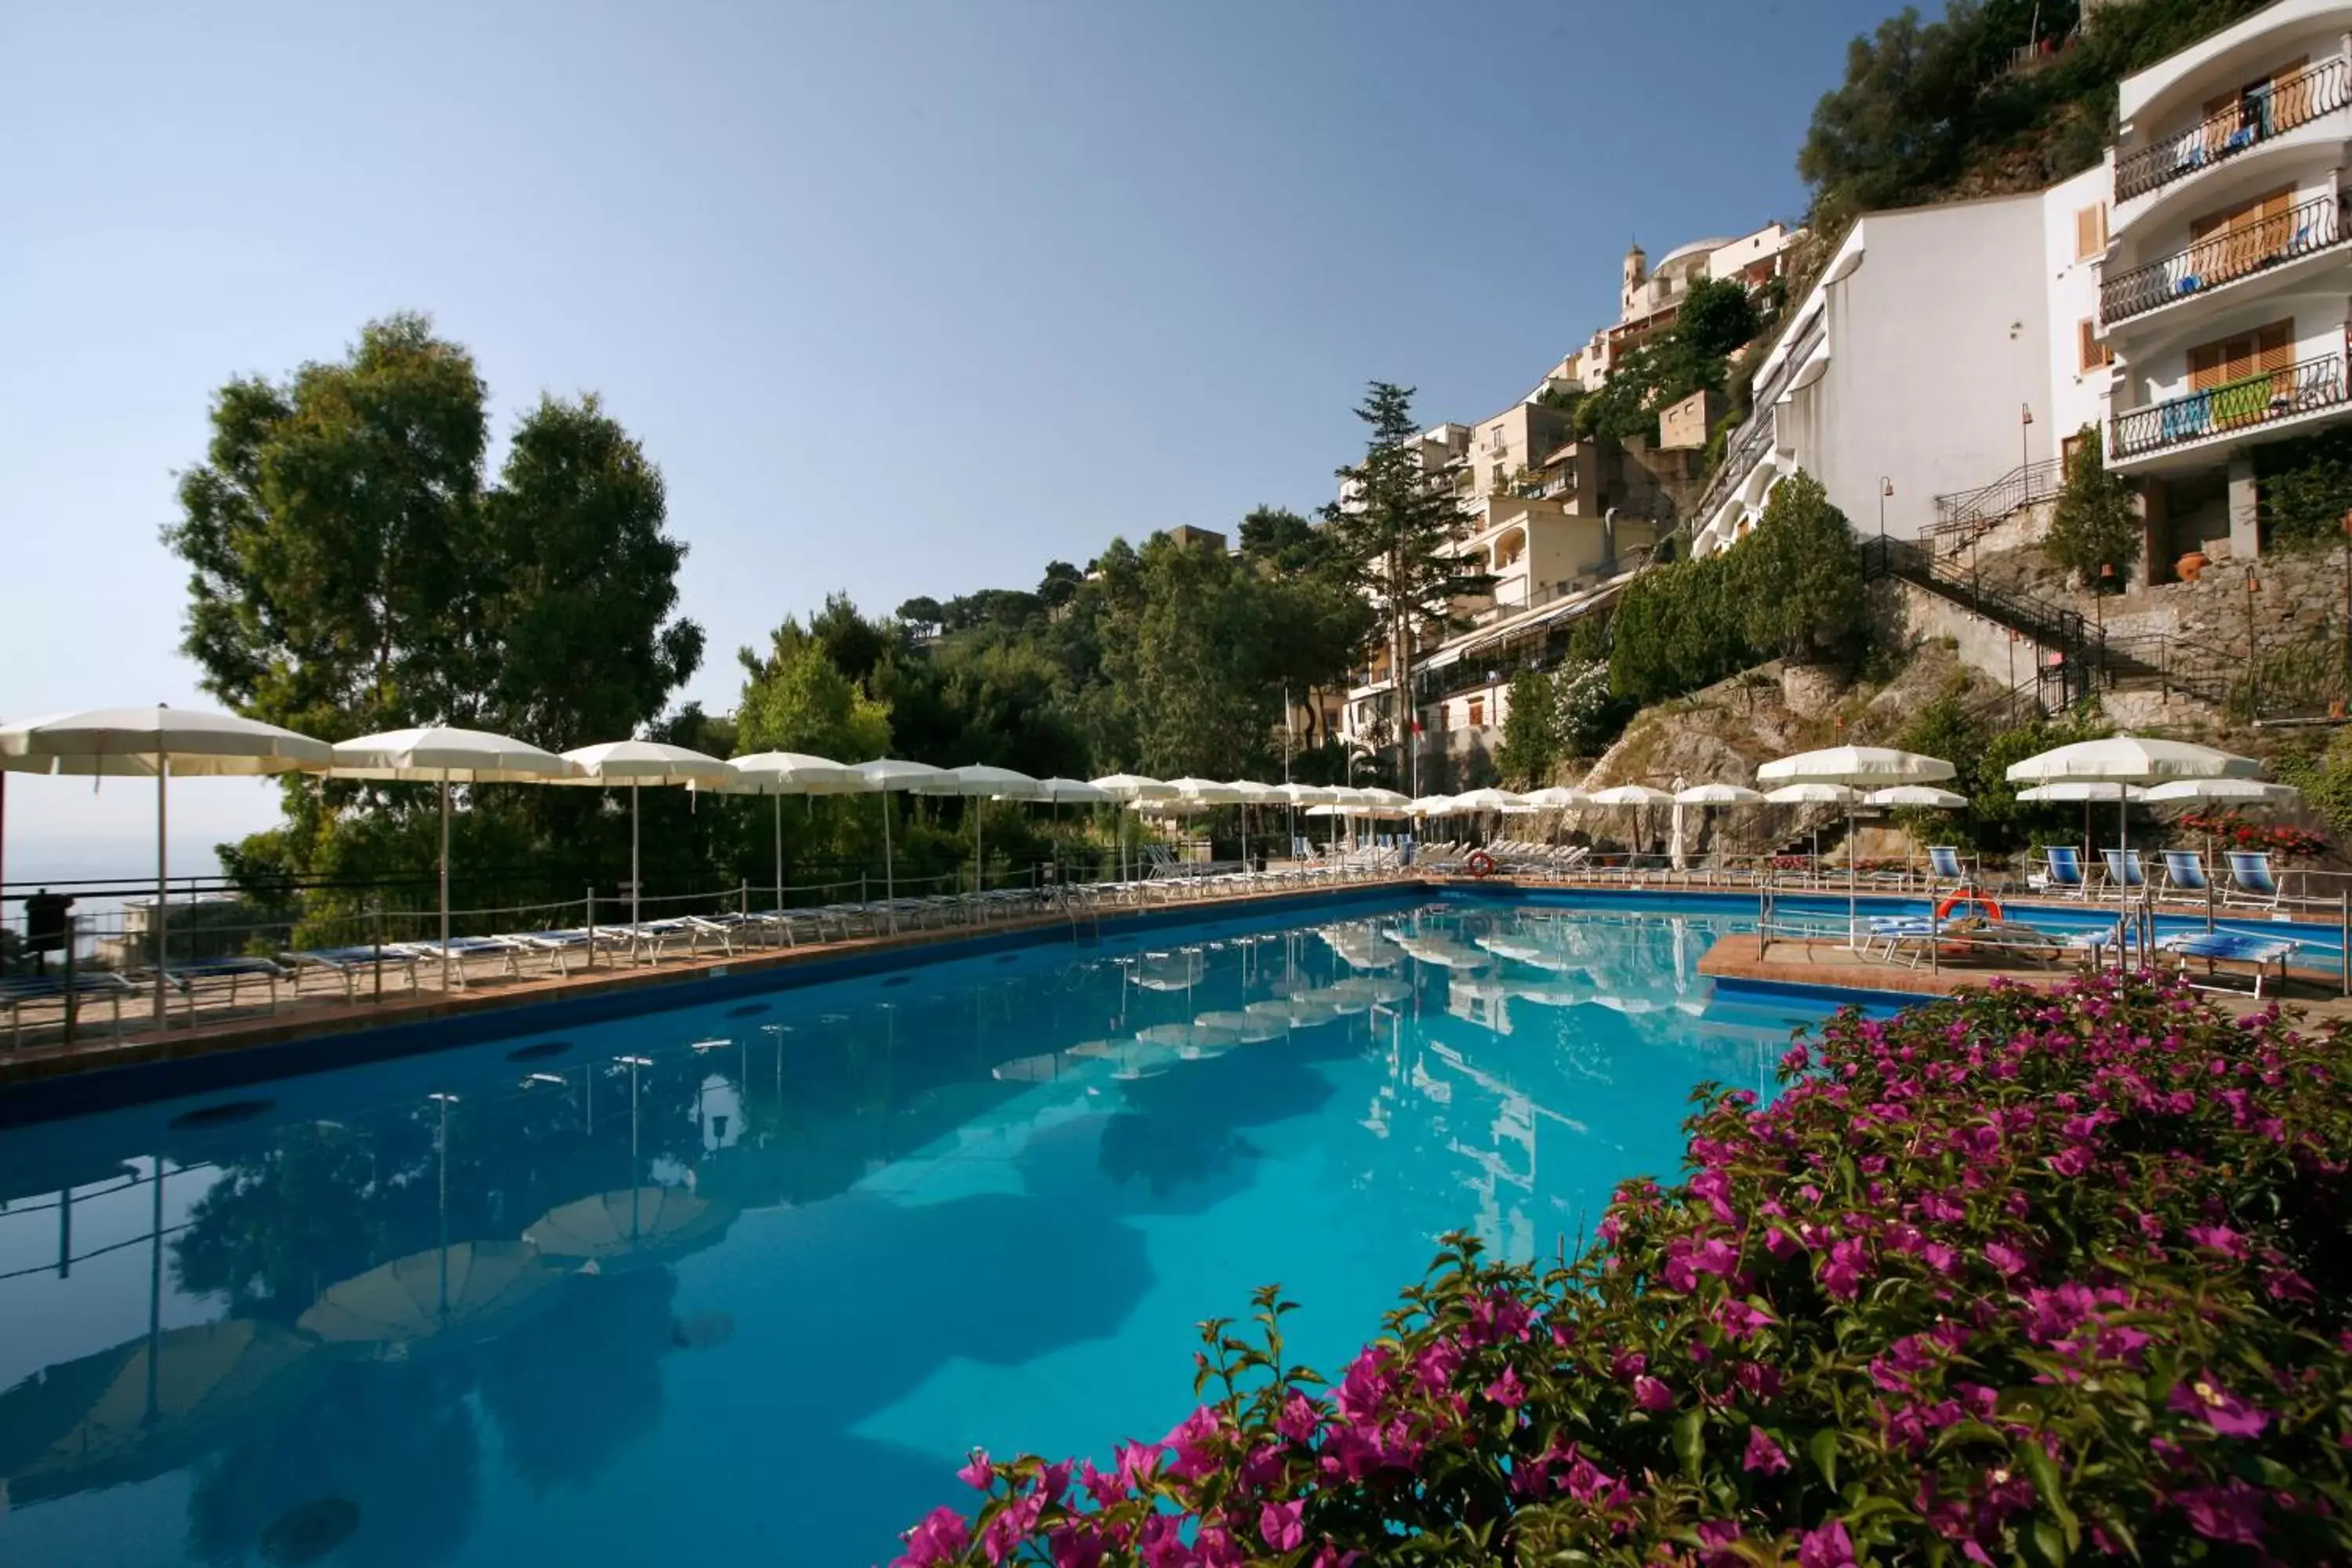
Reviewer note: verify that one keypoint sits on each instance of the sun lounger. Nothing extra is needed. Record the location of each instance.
(559, 948)
(2124, 867)
(18, 992)
(1944, 868)
(350, 962)
(506, 950)
(2232, 947)
(187, 976)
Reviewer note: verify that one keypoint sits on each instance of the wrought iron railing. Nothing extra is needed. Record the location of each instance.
(1749, 443)
(1961, 515)
(2301, 230)
(2250, 401)
(2288, 102)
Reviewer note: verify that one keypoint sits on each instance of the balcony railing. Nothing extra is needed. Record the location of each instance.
(2260, 399)
(2302, 229)
(2290, 100)
(1749, 442)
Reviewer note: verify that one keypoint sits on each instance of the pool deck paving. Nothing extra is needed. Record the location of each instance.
(215, 1028)
(1828, 963)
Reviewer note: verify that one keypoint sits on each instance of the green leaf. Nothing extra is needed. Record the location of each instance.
(1689, 1440)
(1824, 1450)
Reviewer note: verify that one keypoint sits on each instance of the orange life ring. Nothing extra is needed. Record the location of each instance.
(1480, 863)
(1954, 900)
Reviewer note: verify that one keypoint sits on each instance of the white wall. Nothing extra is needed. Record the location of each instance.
(1937, 339)
(2076, 397)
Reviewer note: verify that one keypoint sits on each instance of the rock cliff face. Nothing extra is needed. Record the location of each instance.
(1721, 733)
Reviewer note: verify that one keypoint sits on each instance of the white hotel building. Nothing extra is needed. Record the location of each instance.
(2189, 298)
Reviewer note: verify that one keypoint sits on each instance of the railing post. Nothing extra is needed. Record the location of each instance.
(73, 940)
(377, 909)
(592, 926)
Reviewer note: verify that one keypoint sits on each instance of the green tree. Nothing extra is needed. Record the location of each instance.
(2306, 488)
(1797, 581)
(1530, 741)
(2096, 522)
(796, 699)
(333, 584)
(1717, 316)
(1395, 528)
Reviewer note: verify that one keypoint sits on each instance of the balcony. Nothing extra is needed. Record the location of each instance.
(2250, 403)
(2303, 229)
(2286, 103)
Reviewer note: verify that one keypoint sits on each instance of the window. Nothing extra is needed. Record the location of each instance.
(1477, 713)
(2090, 232)
(2265, 350)
(2067, 447)
(2096, 355)
(1495, 439)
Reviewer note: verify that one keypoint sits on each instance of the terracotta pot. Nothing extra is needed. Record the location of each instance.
(2188, 565)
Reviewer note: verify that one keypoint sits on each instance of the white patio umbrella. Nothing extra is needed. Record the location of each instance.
(982, 784)
(1205, 792)
(1074, 792)
(1719, 795)
(1130, 789)
(779, 773)
(2220, 792)
(637, 764)
(1861, 768)
(158, 742)
(1488, 800)
(2119, 761)
(1555, 797)
(443, 756)
(1813, 794)
(1926, 795)
(1431, 805)
(1383, 802)
(889, 775)
(1636, 795)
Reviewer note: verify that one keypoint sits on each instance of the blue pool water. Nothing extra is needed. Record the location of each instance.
(744, 1282)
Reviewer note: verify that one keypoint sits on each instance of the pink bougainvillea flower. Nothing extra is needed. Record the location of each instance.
(1651, 1394)
(1827, 1546)
(2223, 1411)
(2219, 1238)
(2005, 1257)
(1278, 1522)
(1763, 1453)
(977, 1472)
(2231, 1513)
(940, 1539)
(1506, 1389)
(1299, 1420)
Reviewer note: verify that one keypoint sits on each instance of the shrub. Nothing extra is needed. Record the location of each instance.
(2096, 522)
(2015, 1277)
(2237, 833)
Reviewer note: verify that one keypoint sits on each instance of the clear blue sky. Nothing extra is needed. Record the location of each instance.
(904, 296)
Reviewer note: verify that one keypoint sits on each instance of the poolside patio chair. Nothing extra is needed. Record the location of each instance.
(2184, 872)
(2124, 867)
(2231, 947)
(2252, 881)
(1944, 867)
(2064, 873)
(349, 963)
(561, 947)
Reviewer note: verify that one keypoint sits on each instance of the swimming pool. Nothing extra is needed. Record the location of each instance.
(747, 1279)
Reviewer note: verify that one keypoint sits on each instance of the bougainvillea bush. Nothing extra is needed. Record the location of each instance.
(2236, 833)
(2012, 1277)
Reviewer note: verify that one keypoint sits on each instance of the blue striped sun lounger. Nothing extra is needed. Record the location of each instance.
(2232, 947)
(350, 962)
(188, 974)
(2252, 880)
(18, 992)
(2065, 869)
(2125, 868)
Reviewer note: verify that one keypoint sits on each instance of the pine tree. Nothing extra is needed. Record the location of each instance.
(1394, 524)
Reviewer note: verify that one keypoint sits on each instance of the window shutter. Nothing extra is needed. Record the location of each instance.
(2086, 233)
(2205, 361)
(2274, 347)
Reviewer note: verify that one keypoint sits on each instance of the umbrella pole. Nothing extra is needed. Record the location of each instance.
(780, 849)
(890, 890)
(163, 881)
(979, 862)
(445, 883)
(1851, 856)
(2123, 873)
(634, 873)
